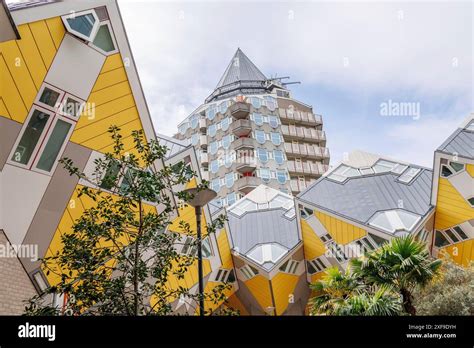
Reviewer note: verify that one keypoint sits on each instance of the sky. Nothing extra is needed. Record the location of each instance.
(355, 60)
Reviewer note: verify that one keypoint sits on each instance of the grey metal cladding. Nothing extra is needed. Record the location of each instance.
(359, 198)
(240, 68)
(461, 142)
(262, 226)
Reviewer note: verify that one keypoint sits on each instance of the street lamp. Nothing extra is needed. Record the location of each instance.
(199, 198)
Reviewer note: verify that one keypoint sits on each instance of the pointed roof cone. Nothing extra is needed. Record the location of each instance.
(240, 68)
(241, 74)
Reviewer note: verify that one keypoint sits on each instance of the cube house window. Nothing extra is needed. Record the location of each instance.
(103, 39)
(30, 137)
(54, 145)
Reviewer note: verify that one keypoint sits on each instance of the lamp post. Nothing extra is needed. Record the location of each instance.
(199, 198)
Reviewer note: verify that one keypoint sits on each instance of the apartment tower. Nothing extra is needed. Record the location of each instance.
(251, 131)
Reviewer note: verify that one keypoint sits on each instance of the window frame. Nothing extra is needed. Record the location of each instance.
(62, 104)
(48, 133)
(112, 36)
(58, 102)
(95, 26)
(279, 138)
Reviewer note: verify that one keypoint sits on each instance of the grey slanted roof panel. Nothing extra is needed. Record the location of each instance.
(240, 68)
(174, 145)
(461, 142)
(263, 226)
(359, 198)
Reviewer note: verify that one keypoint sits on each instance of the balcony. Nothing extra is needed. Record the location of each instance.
(245, 162)
(205, 175)
(240, 110)
(311, 135)
(300, 117)
(203, 141)
(308, 151)
(204, 158)
(298, 185)
(307, 168)
(241, 127)
(244, 143)
(247, 184)
(202, 124)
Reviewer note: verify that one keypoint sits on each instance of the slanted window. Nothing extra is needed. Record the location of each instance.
(49, 97)
(249, 271)
(270, 252)
(408, 175)
(72, 107)
(471, 201)
(82, 24)
(31, 136)
(440, 240)
(394, 220)
(111, 174)
(326, 238)
(56, 142)
(104, 39)
(224, 276)
(290, 266)
(449, 169)
(316, 265)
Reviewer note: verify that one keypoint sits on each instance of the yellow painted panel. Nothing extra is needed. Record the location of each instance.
(31, 55)
(56, 29)
(107, 94)
(341, 231)
(112, 62)
(211, 305)
(283, 286)
(3, 109)
(470, 169)
(317, 276)
(188, 215)
(19, 72)
(11, 95)
(451, 208)
(104, 143)
(234, 303)
(313, 246)
(224, 250)
(100, 128)
(110, 78)
(44, 41)
(462, 252)
(259, 286)
(191, 183)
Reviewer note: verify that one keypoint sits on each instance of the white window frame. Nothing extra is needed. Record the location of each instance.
(45, 142)
(291, 266)
(95, 27)
(317, 266)
(222, 275)
(46, 106)
(40, 140)
(64, 100)
(112, 36)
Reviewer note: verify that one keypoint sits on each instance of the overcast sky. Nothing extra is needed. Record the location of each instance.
(351, 57)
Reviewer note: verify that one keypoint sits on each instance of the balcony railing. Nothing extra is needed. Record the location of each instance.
(307, 151)
(301, 117)
(246, 143)
(298, 185)
(240, 110)
(247, 183)
(303, 133)
(309, 168)
(241, 127)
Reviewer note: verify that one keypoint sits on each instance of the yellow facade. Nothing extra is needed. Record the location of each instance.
(340, 231)
(24, 64)
(283, 287)
(312, 244)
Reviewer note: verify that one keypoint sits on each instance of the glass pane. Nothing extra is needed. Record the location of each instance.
(53, 146)
(82, 24)
(460, 232)
(110, 175)
(440, 240)
(446, 172)
(451, 235)
(103, 39)
(72, 107)
(456, 166)
(30, 137)
(49, 97)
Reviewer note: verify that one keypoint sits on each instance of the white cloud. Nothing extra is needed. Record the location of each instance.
(182, 48)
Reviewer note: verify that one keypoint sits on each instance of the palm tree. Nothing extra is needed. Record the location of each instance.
(403, 264)
(345, 294)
